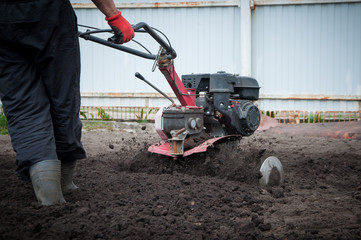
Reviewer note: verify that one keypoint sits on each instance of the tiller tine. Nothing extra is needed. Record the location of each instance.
(171, 149)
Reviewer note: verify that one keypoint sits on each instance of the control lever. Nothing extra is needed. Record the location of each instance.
(138, 75)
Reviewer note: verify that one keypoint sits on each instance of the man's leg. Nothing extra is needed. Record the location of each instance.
(25, 31)
(61, 75)
(30, 126)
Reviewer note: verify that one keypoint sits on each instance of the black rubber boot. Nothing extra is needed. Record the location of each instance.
(67, 171)
(45, 177)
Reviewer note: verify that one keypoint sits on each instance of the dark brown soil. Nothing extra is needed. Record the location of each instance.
(126, 193)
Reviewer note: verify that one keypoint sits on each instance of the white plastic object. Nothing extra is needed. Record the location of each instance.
(266, 169)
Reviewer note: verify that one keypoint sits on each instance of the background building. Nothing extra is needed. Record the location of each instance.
(306, 54)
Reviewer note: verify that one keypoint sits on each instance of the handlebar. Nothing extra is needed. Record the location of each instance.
(170, 52)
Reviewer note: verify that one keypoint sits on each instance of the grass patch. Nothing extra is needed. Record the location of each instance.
(98, 124)
(3, 122)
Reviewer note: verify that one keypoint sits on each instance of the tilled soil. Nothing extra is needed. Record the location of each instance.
(127, 193)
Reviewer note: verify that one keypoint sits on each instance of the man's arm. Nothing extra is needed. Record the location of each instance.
(123, 31)
(107, 7)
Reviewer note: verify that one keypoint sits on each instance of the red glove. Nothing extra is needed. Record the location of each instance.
(123, 31)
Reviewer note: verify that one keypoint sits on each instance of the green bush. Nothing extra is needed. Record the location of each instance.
(270, 114)
(3, 122)
(318, 118)
(103, 115)
(143, 116)
(314, 118)
(83, 115)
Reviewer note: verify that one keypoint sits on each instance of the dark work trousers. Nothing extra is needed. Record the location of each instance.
(39, 80)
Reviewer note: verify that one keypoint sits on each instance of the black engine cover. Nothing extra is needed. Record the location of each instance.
(238, 116)
(249, 117)
(240, 87)
(227, 99)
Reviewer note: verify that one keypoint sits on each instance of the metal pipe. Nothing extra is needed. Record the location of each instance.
(176, 133)
(311, 97)
(229, 3)
(299, 2)
(139, 27)
(116, 46)
(262, 96)
(245, 25)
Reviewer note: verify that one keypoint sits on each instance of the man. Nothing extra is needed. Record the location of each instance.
(39, 88)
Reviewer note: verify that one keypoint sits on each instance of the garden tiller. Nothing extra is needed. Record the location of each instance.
(213, 106)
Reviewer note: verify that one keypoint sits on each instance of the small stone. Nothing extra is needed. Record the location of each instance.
(256, 220)
(111, 146)
(83, 210)
(265, 227)
(185, 181)
(36, 205)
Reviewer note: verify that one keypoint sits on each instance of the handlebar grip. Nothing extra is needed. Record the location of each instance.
(140, 76)
(170, 52)
(112, 39)
(156, 37)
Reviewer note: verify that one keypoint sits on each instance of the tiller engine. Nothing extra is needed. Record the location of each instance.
(213, 106)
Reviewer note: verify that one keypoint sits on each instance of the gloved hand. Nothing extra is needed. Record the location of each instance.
(122, 29)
